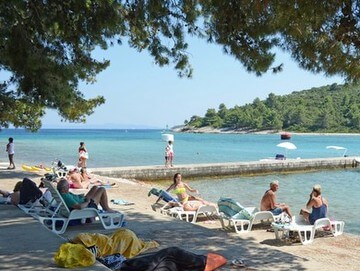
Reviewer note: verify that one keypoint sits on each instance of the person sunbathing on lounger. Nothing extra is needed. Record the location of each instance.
(82, 180)
(318, 204)
(188, 202)
(96, 195)
(268, 201)
(76, 180)
(93, 180)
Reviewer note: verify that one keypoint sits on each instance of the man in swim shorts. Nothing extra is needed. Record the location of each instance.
(268, 201)
(96, 195)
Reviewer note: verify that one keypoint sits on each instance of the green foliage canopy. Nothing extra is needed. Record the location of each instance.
(46, 46)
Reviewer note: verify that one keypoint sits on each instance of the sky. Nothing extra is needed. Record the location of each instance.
(139, 94)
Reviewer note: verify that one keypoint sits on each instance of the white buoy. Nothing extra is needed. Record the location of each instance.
(167, 137)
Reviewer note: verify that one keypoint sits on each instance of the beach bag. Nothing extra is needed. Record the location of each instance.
(29, 191)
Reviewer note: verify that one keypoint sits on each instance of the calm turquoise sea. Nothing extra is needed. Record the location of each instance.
(110, 148)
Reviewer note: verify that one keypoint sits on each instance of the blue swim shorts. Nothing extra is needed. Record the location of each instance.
(276, 211)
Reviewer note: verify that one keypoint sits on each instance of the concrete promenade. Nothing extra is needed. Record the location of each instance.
(227, 169)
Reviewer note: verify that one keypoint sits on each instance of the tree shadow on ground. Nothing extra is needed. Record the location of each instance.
(17, 174)
(171, 232)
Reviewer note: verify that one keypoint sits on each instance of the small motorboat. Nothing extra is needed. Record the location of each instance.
(167, 137)
(338, 148)
(285, 136)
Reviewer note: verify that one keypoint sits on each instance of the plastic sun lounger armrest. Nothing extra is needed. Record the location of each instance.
(337, 227)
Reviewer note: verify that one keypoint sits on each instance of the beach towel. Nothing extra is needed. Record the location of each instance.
(233, 209)
(121, 202)
(110, 185)
(74, 255)
(123, 241)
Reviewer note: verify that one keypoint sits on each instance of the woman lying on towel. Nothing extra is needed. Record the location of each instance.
(188, 202)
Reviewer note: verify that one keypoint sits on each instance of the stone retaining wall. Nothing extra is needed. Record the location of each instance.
(227, 169)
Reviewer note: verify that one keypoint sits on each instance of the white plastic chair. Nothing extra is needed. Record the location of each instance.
(307, 232)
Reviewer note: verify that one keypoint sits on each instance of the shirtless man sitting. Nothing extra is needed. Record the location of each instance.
(268, 201)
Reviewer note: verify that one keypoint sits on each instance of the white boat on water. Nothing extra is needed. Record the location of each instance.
(338, 148)
(167, 137)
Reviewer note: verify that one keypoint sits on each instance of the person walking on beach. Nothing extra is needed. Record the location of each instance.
(11, 151)
(83, 155)
(268, 201)
(170, 153)
(318, 204)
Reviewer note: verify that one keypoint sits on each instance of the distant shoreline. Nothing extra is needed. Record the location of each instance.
(202, 130)
(211, 130)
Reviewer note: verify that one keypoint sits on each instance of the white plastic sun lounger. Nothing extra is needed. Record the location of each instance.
(192, 216)
(41, 205)
(306, 231)
(58, 220)
(240, 218)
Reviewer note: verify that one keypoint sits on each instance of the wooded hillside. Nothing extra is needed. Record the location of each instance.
(334, 108)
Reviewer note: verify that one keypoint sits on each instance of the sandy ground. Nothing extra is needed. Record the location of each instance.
(259, 248)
